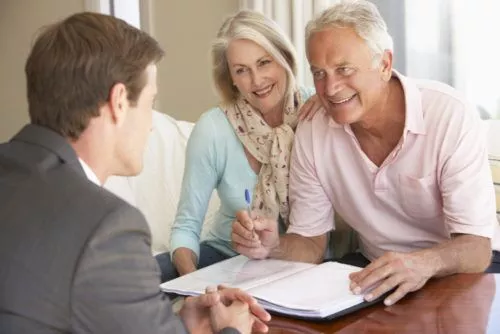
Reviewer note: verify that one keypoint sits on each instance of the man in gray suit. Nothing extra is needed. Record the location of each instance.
(73, 257)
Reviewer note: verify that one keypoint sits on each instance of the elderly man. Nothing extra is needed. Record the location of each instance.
(403, 161)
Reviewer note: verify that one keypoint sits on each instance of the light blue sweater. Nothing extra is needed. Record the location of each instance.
(215, 159)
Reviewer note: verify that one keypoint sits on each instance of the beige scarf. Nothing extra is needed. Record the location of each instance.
(272, 148)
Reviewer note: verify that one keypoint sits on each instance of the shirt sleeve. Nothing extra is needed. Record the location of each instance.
(466, 183)
(311, 211)
(199, 181)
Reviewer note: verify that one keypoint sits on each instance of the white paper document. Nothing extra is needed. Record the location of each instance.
(292, 288)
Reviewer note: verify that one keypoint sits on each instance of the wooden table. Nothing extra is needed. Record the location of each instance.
(461, 304)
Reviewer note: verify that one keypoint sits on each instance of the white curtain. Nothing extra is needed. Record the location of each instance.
(428, 46)
(292, 16)
(455, 46)
(476, 51)
(446, 40)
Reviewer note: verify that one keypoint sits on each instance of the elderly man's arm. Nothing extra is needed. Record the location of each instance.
(407, 272)
(465, 253)
(311, 210)
(469, 217)
(468, 197)
(294, 247)
(259, 239)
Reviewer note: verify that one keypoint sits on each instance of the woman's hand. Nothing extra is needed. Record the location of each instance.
(254, 238)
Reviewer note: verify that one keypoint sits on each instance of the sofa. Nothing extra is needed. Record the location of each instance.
(494, 157)
(156, 190)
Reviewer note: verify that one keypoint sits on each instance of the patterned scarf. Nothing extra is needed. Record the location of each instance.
(272, 148)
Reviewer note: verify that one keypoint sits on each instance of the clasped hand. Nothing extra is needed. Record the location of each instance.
(221, 308)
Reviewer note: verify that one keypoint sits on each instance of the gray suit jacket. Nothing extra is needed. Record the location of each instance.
(73, 257)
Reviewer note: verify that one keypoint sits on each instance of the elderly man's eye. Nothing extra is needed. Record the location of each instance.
(344, 70)
(318, 75)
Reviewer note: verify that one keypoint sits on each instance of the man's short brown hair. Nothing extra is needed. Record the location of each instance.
(74, 64)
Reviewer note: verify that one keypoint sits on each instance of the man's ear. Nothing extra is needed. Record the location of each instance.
(386, 65)
(119, 103)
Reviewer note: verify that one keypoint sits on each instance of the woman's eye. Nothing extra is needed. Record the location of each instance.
(240, 70)
(264, 62)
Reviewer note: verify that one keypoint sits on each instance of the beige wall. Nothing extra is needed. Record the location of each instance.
(185, 29)
(19, 21)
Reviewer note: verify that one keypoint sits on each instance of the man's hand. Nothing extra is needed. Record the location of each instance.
(406, 272)
(310, 108)
(238, 310)
(199, 312)
(235, 315)
(254, 238)
(195, 313)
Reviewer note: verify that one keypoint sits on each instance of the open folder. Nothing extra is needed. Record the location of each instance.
(295, 289)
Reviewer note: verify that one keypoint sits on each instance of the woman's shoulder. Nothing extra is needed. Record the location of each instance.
(213, 123)
(213, 115)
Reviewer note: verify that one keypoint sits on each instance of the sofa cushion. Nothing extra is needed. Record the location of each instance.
(494, 157)
(495, 171)
(156, 190)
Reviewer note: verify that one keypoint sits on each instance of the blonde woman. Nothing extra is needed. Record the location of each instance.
(243, 144)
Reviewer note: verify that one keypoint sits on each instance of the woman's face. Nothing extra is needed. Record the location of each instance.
(260, 79)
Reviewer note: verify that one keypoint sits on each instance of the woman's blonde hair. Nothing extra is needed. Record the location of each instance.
(258, 28)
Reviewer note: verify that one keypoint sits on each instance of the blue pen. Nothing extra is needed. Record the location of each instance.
(249, 210)
(248, 200)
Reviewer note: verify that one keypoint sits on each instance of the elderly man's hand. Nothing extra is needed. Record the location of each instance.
(404, 272)
(310, 108)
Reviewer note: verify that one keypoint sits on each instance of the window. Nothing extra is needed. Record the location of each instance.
(128, 10)
(445, 40)
(448, 40)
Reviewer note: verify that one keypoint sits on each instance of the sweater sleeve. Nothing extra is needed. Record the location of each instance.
(199, 181)
(306, 92)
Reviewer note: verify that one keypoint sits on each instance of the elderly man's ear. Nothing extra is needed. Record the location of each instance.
(386, 65)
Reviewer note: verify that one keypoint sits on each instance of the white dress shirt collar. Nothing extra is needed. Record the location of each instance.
(90, 173)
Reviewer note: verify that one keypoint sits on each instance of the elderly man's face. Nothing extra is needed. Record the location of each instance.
(348, 80)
